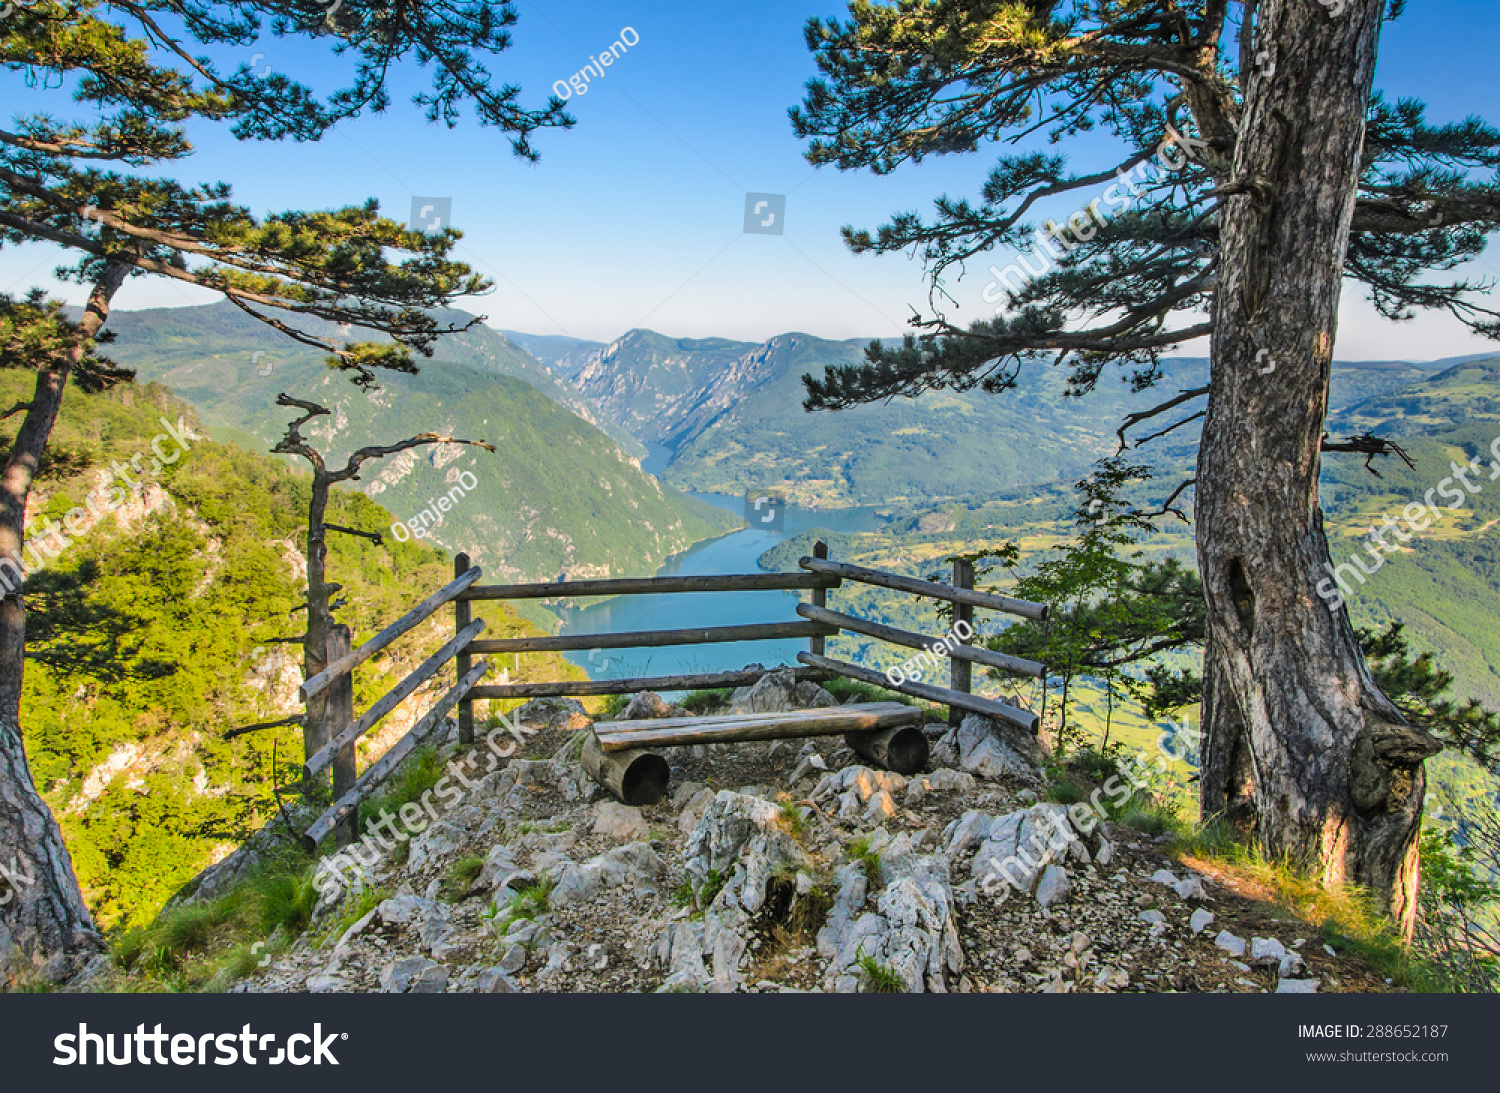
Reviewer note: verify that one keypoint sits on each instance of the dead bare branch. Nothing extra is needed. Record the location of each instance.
(1145, 415)
(1167, 505)
(1368, 445)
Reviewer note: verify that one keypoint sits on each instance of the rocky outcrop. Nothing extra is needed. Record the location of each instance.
(648, 705)
(778, 692)
(992, 750)
(742, 840)
(565, 714)
(778, 867)
(910, 931)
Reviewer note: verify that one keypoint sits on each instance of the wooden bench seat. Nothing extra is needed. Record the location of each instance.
(618, 755)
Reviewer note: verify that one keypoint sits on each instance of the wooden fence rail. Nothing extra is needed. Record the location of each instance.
(759, 631)
(818, 575)
(338, 729)
(346, 808)
(945, 696)
(816, 623)
(1024, 608)
(642, 586)
(969, 653)
(405, 624)
(595, 687)
(420, 675)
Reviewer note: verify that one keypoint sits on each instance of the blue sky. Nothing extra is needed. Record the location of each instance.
(635, 217)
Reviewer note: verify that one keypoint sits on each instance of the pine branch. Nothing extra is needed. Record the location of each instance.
(363, 455)
(1167, 506)
(295, 719)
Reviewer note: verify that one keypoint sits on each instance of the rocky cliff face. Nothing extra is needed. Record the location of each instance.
(649, 383)
(669, 391)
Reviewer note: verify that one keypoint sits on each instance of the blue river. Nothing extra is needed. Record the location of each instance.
(734, 553)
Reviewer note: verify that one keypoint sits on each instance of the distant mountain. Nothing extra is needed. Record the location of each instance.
(558, 498)
(730, 417)
(650, 383)
(564, 355)
(730, 413)
(1428, 403)
(180, 330)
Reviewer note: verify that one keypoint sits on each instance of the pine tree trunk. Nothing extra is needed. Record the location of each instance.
(1301, 749)
(43, 914)
(15, 483)
(43, 918)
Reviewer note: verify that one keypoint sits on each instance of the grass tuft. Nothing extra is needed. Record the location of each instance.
(791, 821)
(530, 902)
(417, 774)
(859, 850)
(710, 701)
(355, 908)
(460, 878)
(1347, 917)
(879, 978)
(205, 945)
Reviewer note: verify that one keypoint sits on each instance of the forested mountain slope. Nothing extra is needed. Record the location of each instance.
(557, 498)
(150, 637)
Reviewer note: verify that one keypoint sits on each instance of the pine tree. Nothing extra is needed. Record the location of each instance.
(1259, 171)
(141, 74)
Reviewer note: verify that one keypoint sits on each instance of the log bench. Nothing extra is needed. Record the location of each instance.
(620, 756)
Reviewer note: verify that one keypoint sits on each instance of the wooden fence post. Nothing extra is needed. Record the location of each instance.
(339, 712)
(960, 677)
(315, 734)
(461, 613)
(819, 599)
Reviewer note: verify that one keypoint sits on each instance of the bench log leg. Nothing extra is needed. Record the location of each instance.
(634, 776)
(902, 749)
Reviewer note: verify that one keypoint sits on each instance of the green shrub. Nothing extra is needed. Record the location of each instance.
(879, 978)
(611, 707)
(1097, 764)
(686, 896)
(706, 702)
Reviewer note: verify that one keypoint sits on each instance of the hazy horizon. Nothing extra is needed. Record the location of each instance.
(635, 218)
(1487, 348)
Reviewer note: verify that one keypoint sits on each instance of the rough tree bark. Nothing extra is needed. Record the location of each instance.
(43, 913)
(1301, 749)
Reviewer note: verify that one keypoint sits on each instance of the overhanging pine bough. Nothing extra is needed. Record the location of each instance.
(139, 74)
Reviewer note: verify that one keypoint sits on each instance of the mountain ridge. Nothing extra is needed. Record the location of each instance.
(559, 498)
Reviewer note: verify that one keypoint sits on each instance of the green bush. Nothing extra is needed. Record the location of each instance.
(879, 978)
(700, 703)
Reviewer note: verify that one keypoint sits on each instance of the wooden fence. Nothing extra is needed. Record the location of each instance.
(332, 739)
(332, 744)
(817, 623)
